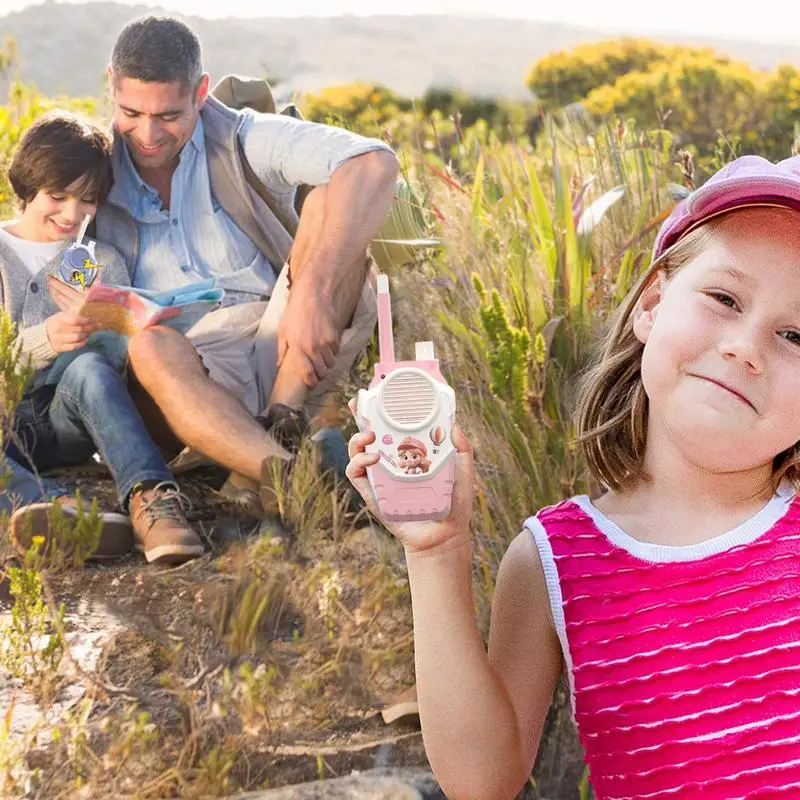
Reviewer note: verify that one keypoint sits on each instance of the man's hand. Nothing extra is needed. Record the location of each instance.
(308, 333)
(67, 331)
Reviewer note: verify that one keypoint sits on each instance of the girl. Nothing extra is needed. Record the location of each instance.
(60, 173)
(672, 600)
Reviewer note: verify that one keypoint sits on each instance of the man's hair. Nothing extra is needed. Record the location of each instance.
(612, 403)
(57, 150)
(158, 49)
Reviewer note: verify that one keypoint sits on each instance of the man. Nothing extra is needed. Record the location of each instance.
(238, 386)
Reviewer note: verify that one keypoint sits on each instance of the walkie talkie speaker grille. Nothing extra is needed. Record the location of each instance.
(408, 398)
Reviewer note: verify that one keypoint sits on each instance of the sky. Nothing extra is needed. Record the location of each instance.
(765, 20)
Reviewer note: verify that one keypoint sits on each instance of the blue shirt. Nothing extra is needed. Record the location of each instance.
(196, 239)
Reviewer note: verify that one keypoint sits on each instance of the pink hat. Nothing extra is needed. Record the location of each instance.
(410, 443)
(747, 181)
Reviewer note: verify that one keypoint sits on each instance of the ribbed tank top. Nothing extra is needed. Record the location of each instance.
(683, 661)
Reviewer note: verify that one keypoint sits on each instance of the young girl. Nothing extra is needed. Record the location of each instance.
(60, 173)
(672, 601)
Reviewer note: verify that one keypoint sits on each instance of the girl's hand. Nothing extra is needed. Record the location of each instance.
(67, 331)
(421, 537)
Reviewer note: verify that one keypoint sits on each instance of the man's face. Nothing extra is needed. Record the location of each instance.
(155, 119)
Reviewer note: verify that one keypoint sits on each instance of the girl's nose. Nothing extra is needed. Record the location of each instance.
(743, 345)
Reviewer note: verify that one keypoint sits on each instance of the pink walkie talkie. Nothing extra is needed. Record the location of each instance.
(411, 409)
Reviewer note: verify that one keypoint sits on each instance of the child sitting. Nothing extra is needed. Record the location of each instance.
(60, 173)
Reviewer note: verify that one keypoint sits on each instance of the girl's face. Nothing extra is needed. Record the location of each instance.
(721, 362)
(410, 458)
(55, 216)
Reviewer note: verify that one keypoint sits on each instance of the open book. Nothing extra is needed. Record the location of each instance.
(126, 310)
(123, 310)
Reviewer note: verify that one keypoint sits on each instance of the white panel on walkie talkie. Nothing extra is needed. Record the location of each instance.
(409, 398)
(409, 410)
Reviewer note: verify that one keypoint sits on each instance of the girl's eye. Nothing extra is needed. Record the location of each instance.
(723, 299)
(791, 336)
(57, 196)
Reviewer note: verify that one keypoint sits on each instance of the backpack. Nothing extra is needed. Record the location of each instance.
(238, 92)
(404, 231)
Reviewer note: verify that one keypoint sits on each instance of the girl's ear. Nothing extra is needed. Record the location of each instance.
(646, 308)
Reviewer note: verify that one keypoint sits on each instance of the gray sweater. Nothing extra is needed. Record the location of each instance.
(27, 301)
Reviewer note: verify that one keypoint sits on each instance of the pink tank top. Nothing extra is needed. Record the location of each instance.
(683, 662)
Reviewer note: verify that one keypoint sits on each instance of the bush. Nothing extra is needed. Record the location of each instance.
(568, 76)
(364, 107)
(696, 97)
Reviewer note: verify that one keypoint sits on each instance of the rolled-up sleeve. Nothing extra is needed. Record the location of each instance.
(285, 152)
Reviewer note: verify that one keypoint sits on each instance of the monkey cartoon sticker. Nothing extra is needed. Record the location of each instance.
(413, 456)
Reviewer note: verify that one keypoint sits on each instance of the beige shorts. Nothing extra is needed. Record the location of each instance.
(239, 345)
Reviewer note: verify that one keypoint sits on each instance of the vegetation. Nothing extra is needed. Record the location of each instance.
(301, 627)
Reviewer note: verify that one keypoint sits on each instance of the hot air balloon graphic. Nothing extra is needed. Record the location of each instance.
(437, 437)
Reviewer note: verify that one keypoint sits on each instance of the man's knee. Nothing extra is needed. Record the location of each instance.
(154, 352)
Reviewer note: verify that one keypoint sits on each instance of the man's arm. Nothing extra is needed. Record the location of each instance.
(328, 261)
(285, 152)
(357, 199)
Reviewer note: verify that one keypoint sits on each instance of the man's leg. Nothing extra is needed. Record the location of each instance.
(152, 416)
(203, 415)
(287, 386)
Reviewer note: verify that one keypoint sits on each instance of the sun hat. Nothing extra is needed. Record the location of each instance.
(747, 181)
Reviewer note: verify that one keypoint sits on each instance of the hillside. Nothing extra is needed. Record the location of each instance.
(408, 54)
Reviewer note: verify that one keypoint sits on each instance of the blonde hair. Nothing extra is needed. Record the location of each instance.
(612, 403)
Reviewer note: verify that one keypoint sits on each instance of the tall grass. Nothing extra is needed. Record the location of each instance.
(539, 247)
(539, 242)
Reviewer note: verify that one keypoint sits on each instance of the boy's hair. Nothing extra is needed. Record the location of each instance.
(57, 150)
(612, 403)
(158, 49)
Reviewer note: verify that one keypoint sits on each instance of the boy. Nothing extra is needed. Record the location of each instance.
(60, 173)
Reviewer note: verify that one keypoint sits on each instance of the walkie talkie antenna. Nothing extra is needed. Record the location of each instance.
(385, 335)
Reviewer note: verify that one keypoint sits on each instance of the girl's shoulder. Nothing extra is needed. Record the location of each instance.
(569, 508)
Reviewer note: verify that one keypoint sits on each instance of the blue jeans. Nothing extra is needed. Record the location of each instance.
(88, 410)
(24, 487)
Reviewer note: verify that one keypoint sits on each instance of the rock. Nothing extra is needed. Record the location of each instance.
(375, 784)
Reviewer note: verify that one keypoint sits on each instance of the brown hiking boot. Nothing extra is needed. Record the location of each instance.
(160, 529)
(287, 426)
(243, 492)
(35, 519)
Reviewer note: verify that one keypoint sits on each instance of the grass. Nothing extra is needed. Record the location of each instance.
(290, 637)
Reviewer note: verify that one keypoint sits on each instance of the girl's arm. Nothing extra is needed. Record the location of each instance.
(482, 715)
